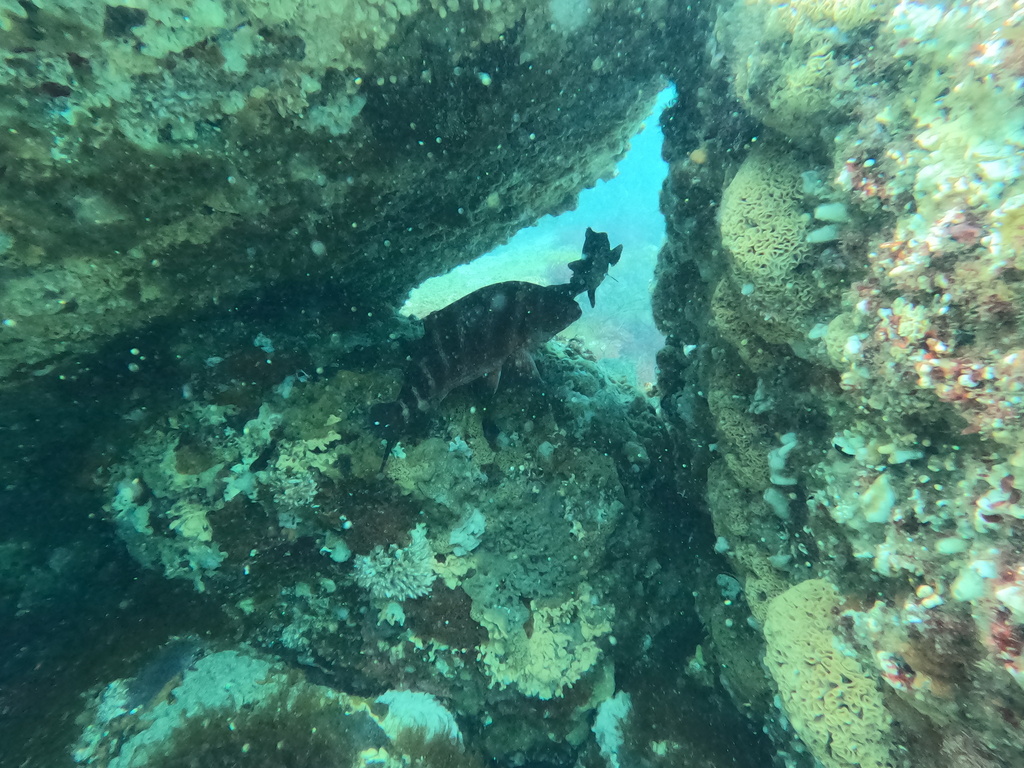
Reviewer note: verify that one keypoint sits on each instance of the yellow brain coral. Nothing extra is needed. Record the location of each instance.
(763, 582)
(763, 223)
(832, 702)
(765, 228)
(743, 443)
(735, 328)
(728, 503)
(799, 99)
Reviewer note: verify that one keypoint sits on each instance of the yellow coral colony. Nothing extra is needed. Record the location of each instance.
(560, 649)
(738, 330)
(765, 231)
(789, 81)
(844, 15)
(833, 704)
(743, 445)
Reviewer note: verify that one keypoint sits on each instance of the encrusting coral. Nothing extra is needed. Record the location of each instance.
(743, 440)
(559, 648)
(479, 564)
(845, 15)
(235, 705)
(739, 329)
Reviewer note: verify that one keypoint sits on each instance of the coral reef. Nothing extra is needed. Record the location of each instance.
(806, 550)
(491, 562)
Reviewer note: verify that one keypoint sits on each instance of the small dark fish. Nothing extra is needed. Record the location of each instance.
(590, 271)
(473, 338)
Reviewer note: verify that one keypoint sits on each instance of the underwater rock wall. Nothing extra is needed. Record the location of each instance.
(842, 295)
(159, 158)
(841, 388)
(502, 561)
(209, 215)
(236, 705)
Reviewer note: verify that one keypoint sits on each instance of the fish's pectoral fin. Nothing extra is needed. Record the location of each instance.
(615, 255)
(592, 294)
(524, 364)
(489, 381)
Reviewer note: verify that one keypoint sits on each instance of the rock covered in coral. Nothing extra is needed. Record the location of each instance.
(233, 705)
(493, 561)
(843, 374)
(869, 450)
(834, 703)
(163, 157)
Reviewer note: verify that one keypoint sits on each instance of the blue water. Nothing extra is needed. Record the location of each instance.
(621, 326)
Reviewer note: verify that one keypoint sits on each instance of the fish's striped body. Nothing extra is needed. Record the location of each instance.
(476, 336)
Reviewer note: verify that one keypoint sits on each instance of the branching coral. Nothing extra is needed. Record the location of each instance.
(398, 573)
